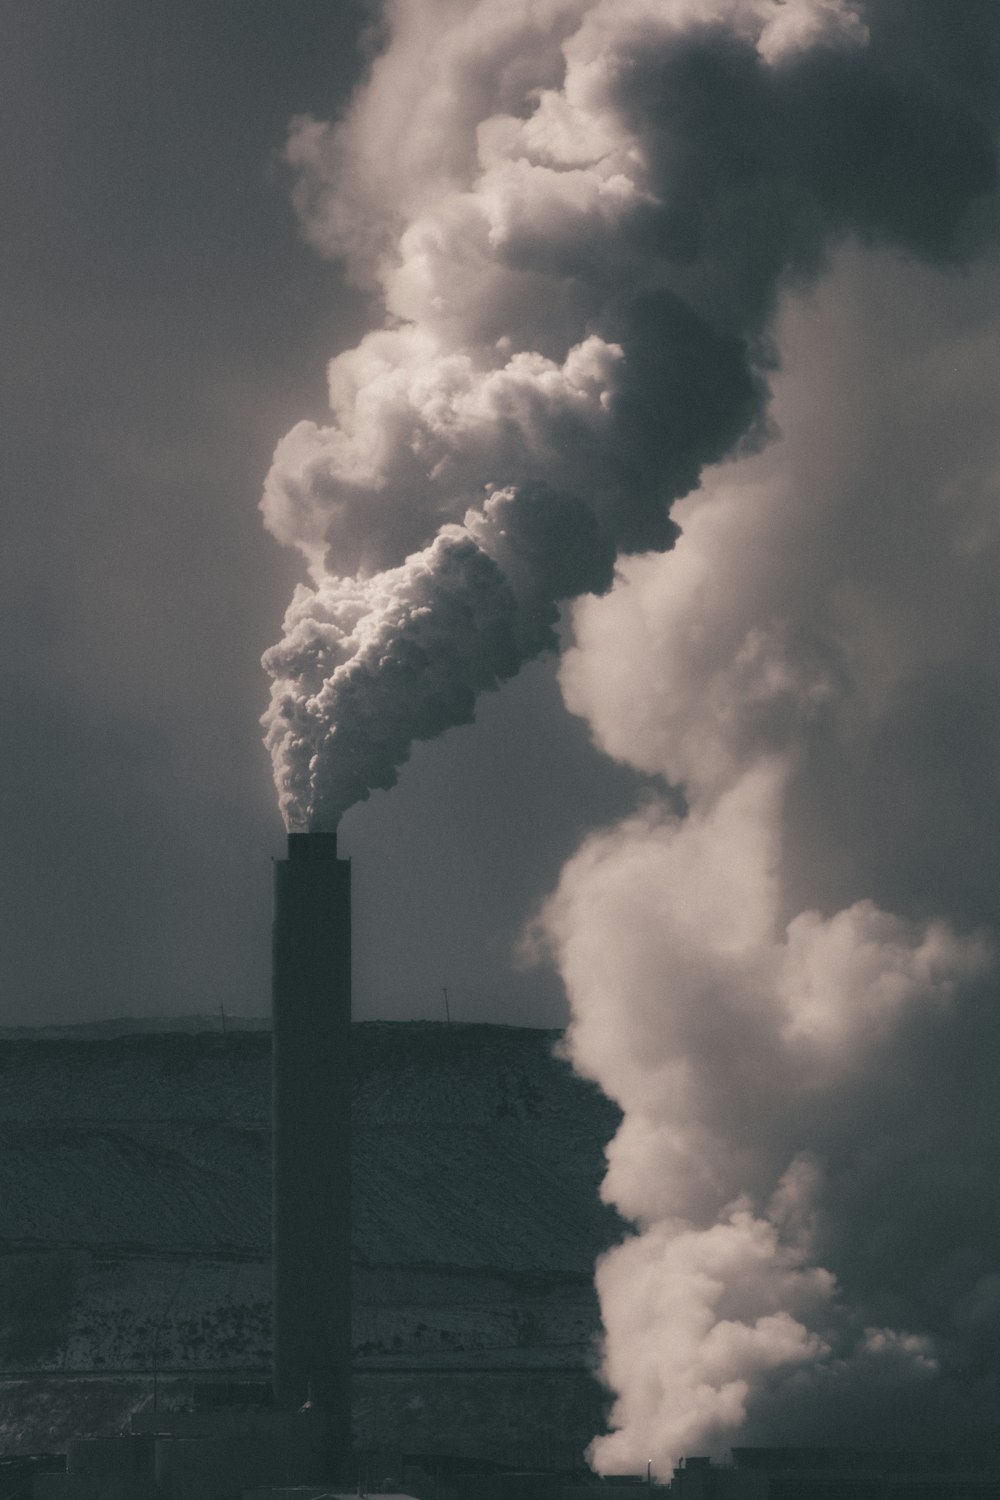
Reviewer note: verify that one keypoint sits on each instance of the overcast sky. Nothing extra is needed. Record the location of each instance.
(163, 326)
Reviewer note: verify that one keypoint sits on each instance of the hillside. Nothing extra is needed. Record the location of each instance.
(134, 1200)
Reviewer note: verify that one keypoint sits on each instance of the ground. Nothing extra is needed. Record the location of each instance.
(134, 1228)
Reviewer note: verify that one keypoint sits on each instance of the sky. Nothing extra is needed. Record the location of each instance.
(620, 377)
(164, 325)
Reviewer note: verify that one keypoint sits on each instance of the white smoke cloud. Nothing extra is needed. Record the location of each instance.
(737, 1029)
(722, 1038)
(798, 25)
(701, 1315)
(706, 1317)
(416, 431)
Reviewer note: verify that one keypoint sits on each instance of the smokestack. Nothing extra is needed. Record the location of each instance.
(311, 1226)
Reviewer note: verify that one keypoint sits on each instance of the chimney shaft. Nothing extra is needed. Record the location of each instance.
(311, 1122)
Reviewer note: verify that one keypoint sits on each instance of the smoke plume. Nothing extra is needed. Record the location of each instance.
(788, 988)
(577, 216)
(582, 219)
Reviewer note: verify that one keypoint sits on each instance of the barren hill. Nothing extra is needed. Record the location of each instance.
(135, 1196)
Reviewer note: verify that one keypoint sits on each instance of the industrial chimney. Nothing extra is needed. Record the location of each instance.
(311, 1120)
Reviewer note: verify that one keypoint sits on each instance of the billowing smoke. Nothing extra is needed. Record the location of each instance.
(578, 216)
(582, 218)
(809, 1151)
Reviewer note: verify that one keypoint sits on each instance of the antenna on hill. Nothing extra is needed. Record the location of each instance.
(447, 1007)
(222, 1014)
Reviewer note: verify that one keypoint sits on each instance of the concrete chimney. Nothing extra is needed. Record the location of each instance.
(311, 1122)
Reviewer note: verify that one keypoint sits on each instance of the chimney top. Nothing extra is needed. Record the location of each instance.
(312, 846)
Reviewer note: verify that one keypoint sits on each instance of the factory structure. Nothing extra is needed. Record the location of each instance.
(293, 1441)
(311, 1131)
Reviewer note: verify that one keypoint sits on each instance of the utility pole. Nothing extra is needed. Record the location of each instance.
(447, 1008)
